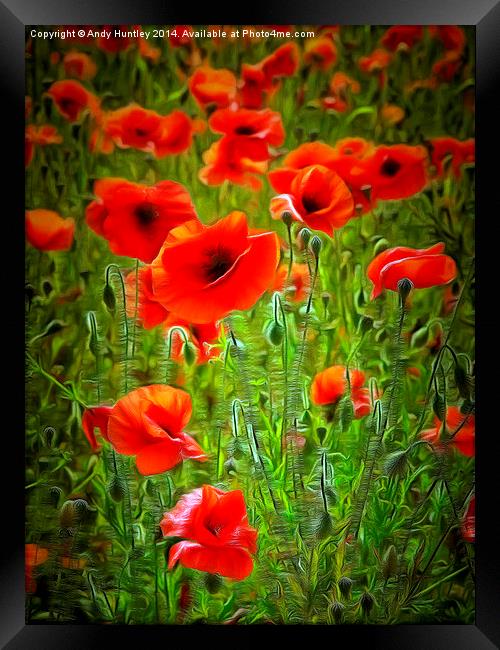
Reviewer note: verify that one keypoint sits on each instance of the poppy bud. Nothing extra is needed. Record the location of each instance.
(324, 526)
(337, 611)
(305, 235)
(345, 585)
(390, 562)
(116, 487)
(80, 507)
(67, 515)
(189, 351)
(230, 465)
(213, 582)
(396, 464)
(381, 245)
(321, 433)
(366, 601)
(404, 288)
(29, 292)
(109, 298)
(54, 494)
(325, 299)
(49, 433)
(467, 407)
(315, 245)
(346, 413)
(47, 288)
(365, 324)
(287, 218)
(275, 332)
(420, 337)
(462, 380)
(438, 406)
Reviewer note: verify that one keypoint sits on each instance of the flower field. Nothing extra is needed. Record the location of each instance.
(250, 324)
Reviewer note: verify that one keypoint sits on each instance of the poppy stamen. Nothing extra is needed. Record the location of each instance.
(311, 203)
(220, 262)
(146, 213)
(244, 130)
(390, 167)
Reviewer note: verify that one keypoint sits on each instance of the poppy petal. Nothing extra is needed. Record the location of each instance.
(227, 561)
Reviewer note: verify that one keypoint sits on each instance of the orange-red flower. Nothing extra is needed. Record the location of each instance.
(150, 312)
(225, 160)
(318, 197)
(147, 423)
(330, 385)
(79, 65)
(255, 129)
(202, 273)
(406, 35)
(34, 555)
(447, 67)
(427, 267)
(395, 172)
(116, 44)
(377, 61)
(146, 130)
(461, 427)
(212, 87)
(468, 527)
(72, 99)
(135, 218)
(341, 85)
(320, 52)
(307, 154)
(456, 152)
(214, 525)
(179, 39)
(202, 336)
(392, 114)
(298, 286)
(147, 51)
(48, 231)
(452, 36)
(41, 135)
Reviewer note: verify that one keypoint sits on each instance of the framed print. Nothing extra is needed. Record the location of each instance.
(249, 325)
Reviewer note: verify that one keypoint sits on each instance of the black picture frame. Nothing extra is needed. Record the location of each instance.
(485, 15)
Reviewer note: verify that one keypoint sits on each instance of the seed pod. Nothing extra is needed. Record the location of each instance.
(345, 585)
(366, 601)
(390, 562)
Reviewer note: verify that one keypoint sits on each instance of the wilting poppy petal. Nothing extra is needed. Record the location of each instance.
(96, 418)
(461, 427)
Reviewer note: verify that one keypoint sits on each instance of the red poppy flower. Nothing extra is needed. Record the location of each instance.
(202, 336)
(212, 87)
(179, 39)
(28, 105)
(406, 35)
(376, 61)
(116, 44)
(94, 418)
(72, 99)
(469, 522)
(341, 85)
(147, 423)
(283, 62)
(329, 386)
(446, 68)
(41, 135)
(465, 426)
(34, 555)
(395, 171)
(298, 286)
(226, 160)
(320, 52)
(251, 128)
(48, 231)
(458, 152)
(427, 267)
(135, 218)
(452, 36)
(147, 51)
(146, 130)
(202, 273)
(392, 114)
(215, 525)
(307, 154)
(150, 312)
(318, 197)
(79, 65)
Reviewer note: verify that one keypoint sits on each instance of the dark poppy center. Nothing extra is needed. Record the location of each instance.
(390, 167)
(67, 104)
(213, 527)
(244, 130)
(146, 213)
(311, 203)
(219, 263)
(141, 132)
